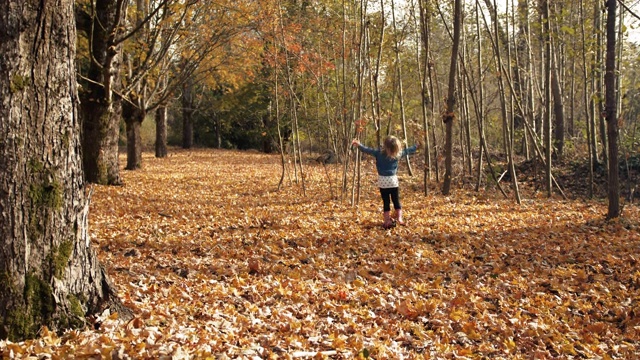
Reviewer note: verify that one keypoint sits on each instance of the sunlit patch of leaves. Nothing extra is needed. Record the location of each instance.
(216, 263)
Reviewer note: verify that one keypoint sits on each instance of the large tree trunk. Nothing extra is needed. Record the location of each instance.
(101, 132)
(134, 145)
(133, 117)
(49, 273)
(101, 110)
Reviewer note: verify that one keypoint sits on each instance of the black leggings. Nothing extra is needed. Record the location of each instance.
(394, 194)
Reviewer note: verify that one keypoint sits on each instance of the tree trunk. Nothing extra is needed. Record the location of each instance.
(403, 119)
(480, 103)
(530, 102)
(101, 110)
(572, 96)
(599, 97)
(283, 159)
(360, 81)
(161, 132)
(101, 133)
(49, 273)
(425, 91)
(345, 135)
(133, 118)
(522, 62)
(558, 109)
(218, 129)
(187, 115)
(547, 95)
(507, 120)
(465, 124)
(590, 125)
(611, 112)
(449, 116)
(267, 144)
(376, 79)
(187, 129)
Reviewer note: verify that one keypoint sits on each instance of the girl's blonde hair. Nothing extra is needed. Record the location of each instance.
(391, 147)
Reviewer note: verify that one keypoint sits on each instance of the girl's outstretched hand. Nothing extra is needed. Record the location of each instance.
(355, 142)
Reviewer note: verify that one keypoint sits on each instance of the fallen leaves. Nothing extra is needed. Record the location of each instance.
(218, 264)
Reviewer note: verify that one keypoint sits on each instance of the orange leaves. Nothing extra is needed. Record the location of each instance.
(255, 266)
(598, 328)
(413, 307)
(407, 309)
(340, 295)
(216, 264)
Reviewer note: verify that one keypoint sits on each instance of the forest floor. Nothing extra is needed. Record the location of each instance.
(572, 177)
(217, 263)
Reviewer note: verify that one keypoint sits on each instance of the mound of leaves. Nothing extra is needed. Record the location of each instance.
(217, 263)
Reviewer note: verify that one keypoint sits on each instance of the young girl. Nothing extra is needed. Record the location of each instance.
(387, 165)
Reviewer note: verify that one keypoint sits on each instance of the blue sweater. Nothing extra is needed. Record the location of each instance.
(386, 166)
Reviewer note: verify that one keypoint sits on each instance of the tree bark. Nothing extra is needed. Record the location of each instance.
(218, 123)
(590, 125)
(161, 132)
(297, 152)
(547, 95)
(522, 48)
(506, 105)
(50, 274)
(376, 78)
(465, 134)
(425, 91)
(480, 103)
(267, 144)
(133, 117)
(101, 109)
(449, 115)
(558, 110)
(611, 112)
(403, 119)
(187, 115)
(599, 97)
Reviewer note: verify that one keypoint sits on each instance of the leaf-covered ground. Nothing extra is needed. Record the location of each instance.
(218, 264)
